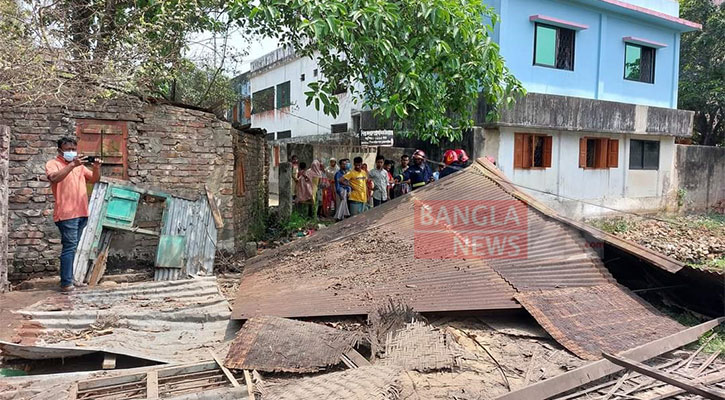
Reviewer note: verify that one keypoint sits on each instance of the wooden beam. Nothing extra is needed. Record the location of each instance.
(109, 361)
(218, 221)
(688, 385)
(224, 369)
(250, 384)
(152, 385)
(599, 369)
(707, 380)
(353, 359)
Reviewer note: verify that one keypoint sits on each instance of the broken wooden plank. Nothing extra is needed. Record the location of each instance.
(249, 383)
(706, 364)
(152, 385)
(705, 380)
(218, 221)
(690, 386)
(73, 391)
(109, 361)
(353, 359)
(596, 370)
(224, 369)
(99, 266)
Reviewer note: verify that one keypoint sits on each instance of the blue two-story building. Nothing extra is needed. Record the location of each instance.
(598, 126)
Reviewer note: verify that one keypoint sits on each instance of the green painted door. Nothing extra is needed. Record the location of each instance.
(121, 207)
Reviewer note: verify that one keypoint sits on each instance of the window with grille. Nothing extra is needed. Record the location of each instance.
(639, 63)
(263, 100)
(644, 154)
(283, 95)
(554, 47)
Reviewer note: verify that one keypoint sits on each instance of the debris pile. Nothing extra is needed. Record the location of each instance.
(695, 239)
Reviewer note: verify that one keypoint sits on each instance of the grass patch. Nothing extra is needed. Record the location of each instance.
(711, 221)
(613, 225)
(717, 265)
(713, 345)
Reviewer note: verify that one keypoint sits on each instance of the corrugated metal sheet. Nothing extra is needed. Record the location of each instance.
(166, 321)
(341, 269)
(274, 344)
(588, 321)
(182, 217)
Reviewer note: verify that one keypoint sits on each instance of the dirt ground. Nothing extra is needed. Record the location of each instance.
(696, 239)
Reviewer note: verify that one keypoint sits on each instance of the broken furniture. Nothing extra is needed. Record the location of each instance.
(186, 241)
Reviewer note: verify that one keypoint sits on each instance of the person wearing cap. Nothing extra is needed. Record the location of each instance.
(418, 174)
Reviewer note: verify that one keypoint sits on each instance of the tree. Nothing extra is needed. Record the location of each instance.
(422, 62)
(702, 70)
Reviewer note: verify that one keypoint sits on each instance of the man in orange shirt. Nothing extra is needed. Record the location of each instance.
(68, 177)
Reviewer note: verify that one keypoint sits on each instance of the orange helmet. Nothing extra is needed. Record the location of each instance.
(419, 154)
(462, 156)
(450, 156)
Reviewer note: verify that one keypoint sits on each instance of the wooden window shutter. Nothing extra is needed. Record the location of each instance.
(239, 171)
(613, 159)
(603, 153)
(518, 150)
(582, 152)
(528, 151)
(276, 156)
(547, 151)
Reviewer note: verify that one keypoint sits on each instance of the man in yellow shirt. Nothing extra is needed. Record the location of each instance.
(357, 179)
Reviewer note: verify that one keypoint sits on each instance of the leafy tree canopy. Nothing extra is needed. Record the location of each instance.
(422, 62)
(702, 70)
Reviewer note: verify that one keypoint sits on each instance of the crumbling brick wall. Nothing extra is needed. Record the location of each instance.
(4, 153)
(168, 147)
(251, 186)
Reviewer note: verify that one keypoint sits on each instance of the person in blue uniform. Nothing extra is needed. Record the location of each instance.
(419, 173)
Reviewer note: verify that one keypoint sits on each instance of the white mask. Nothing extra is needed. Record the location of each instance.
(69, 155)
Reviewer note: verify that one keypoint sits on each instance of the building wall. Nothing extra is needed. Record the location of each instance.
(578, 192)
(599, 51)
(299, 118)
(4, 155)
(170, 148)
(250, 201)
(701, 177)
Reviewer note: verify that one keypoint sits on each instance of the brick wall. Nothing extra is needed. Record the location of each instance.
(169, 147)
(4, 153)
(250, 196)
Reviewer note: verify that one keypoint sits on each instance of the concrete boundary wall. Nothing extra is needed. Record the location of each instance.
(701, 177)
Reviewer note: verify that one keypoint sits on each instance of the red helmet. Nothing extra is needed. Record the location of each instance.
(419, 154)
(462, 156)
(450, 156)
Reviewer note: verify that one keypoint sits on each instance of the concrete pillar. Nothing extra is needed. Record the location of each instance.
(4, 159)
(285, 190)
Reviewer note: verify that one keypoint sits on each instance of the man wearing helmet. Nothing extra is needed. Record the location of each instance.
(455, 161)
(418, 174)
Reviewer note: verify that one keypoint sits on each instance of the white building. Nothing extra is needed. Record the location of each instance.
(279, 81)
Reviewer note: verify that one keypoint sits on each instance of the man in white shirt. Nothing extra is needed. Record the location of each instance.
(379, 176)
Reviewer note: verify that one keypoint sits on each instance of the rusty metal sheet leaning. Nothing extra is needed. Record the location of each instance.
(589, 321)
(274, 344)
(364, 383)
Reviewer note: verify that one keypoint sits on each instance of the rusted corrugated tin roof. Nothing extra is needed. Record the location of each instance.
(348, 268)
(588, 321)
(342, 269)
(173, 321)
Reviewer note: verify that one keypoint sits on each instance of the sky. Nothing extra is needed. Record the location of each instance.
(255, 46)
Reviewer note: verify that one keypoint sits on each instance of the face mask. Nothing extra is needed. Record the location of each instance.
(69, 155)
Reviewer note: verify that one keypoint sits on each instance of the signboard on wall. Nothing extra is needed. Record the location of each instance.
(382, 138)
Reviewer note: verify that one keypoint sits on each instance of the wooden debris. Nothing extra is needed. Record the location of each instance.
(706, 364)
(218, 221)
(689, 386)
(99, 266)
(152, 385)
(249, 383)
(109, 361)
(500, 368)
(353, 359)
(226, 371)
(596, 370)
(705, 380)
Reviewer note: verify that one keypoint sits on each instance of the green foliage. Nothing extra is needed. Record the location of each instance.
(702, 70)
(200, 85)
(681, 195)
(612, 225)
(421, 63)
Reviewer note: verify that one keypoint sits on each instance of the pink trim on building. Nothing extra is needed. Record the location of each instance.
(644, 42)
(557, 22)
(653, 13)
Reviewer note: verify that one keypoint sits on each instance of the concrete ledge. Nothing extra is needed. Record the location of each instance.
(566, 113)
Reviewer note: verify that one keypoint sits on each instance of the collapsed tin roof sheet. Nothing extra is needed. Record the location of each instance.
(170, 321)
(386, 253)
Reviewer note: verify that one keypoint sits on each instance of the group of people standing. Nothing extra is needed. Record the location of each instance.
(343, 190)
